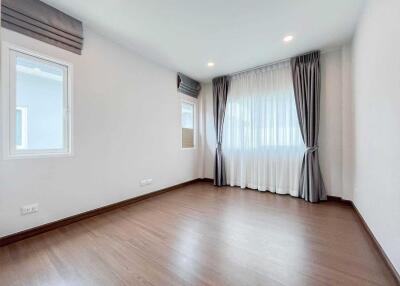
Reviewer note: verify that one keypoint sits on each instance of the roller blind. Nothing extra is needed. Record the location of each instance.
(42, 22)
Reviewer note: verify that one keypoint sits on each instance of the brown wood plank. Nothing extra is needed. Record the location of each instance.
(203, 235)
(68, 220)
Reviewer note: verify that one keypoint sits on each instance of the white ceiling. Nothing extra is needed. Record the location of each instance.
(184, 35)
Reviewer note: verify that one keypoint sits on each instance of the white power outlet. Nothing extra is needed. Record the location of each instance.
(29, 209)
(145, 182)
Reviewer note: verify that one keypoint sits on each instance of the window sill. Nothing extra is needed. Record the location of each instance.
(37, 156)
(188, 149)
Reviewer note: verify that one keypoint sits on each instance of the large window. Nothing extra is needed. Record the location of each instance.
(38, 95)
(262, 143)
(188, 124)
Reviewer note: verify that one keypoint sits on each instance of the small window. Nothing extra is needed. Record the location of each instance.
(39, 119)
(188, 123)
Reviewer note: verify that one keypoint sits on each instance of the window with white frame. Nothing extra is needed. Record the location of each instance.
(188, 124)
(39, 100)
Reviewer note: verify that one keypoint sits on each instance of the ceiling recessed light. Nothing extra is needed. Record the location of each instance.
(288, 38)
(210, 64)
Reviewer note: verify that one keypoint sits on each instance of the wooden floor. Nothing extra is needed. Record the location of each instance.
(201, 235)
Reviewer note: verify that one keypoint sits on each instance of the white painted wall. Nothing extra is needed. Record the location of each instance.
(376, 123)
(126, 128)
(347, 127)
(330, 137)
(209, 141)
(332, 63)
(335, 89)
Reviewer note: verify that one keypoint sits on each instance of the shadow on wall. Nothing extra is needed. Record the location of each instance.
(348, 117)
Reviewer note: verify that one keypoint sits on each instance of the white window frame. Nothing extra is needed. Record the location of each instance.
(189, 100)
(24, 127)
(8, 57)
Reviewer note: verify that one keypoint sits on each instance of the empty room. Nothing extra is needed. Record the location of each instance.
(212, 142)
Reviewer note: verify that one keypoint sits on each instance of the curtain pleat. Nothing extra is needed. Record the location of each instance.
(307, 88)
(220, 93)
(262, 142)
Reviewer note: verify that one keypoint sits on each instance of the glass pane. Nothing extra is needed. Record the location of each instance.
(187, 115)
(18, 127)
(187, 125)
(187, 138)
(40, 95)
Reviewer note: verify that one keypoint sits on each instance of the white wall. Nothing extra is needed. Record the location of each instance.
(376, 123)
(332, 64)
(347, 129)
(335, 90)
(126, 128)
(209, 141)
(330, 137)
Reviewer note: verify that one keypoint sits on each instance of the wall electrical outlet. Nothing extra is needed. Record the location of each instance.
(29, 209)
(146, 182)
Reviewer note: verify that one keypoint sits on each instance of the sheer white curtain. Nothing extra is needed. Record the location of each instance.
(262, 143)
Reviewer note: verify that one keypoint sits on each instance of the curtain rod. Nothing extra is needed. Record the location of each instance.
(273, 63)
(260, 66)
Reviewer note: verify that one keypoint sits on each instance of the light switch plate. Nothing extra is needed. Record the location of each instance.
(29, 209)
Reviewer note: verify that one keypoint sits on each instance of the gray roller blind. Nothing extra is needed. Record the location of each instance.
(188, 86)
(42, 22)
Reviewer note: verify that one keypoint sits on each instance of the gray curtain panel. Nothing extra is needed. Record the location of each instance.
(220, 94)
(307, 88)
